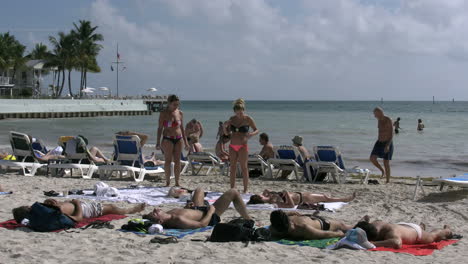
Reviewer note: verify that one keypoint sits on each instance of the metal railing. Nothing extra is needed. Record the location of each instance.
(5, 80)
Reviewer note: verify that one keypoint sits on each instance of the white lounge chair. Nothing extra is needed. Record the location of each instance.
(204, 159)
(257, 162)
(75, 158)
(286, 158)
(329, 160)
(459, 181)
(127, 157)
(25, 157)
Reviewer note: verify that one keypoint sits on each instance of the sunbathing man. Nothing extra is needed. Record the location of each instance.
(79, 210)
(196, 214)
(291, 199)
(383, 234)
(294, 226)
(220, 148)
(267, 151)
(305, 155)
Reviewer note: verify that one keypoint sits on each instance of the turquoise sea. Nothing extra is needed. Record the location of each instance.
(441, 150)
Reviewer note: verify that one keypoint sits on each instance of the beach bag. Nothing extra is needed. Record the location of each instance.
(235, 230)
(43, 218)
(137, 225)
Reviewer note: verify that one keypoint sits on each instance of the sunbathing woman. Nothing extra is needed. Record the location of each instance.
(238, 127)
(291, 199)
(172, 131)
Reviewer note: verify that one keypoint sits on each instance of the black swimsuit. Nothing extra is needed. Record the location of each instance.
(215, 219)
(324, 224)
(174, 141)
(241, 129)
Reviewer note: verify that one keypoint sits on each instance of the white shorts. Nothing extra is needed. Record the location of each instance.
(91, 209)
(416, 227)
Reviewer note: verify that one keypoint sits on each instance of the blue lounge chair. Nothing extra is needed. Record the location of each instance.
(128, 157)
(286, 158)
(329, 160)
(23, 151)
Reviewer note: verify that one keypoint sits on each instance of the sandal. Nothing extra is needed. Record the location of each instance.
(164, 241)
(51, 193)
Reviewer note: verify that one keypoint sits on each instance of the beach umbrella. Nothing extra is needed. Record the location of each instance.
(152, 90)
(88, 90)
(103, 89)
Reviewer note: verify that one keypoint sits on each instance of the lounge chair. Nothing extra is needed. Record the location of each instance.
(128, 157)
(459, 181)
(204, 159)
(75, 158)
(329, 160)
(257, 162)
(286, 158)
(25, 157)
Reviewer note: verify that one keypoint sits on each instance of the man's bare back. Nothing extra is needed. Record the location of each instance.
(385, 125)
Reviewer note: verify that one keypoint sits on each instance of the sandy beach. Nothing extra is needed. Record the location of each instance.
(387, 202)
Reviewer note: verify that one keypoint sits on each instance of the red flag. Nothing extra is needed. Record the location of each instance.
(118, 56)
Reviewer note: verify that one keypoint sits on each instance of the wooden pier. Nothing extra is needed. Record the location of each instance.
(66, 108)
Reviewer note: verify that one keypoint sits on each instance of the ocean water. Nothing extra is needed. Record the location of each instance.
(441, 150)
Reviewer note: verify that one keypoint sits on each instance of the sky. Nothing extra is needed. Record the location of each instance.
(266, 49)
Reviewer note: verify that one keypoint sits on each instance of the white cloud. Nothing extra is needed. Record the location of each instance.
(335, 49)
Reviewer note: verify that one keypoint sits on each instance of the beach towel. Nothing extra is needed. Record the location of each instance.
(178, 233)
(318, 243)
(419, 250)
(11, 224)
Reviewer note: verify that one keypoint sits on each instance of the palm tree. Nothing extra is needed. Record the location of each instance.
(40, 52)
(58, 60)
(88, 48)
(11, 54)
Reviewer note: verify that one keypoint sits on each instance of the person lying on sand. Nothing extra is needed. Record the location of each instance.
(196, 213)
(79, 210)
(295, 226)
(384, 234)
(291, 199)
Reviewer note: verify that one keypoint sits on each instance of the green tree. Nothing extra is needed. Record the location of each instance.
(87, 50)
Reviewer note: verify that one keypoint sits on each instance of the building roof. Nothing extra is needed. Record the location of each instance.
(35, 64)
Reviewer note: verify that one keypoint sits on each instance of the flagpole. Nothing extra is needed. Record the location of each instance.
(118, 70)
(117, 62)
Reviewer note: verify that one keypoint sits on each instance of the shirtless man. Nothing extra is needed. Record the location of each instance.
(79, 210)
(293, 225)
(267, 151)
(383, 148)
(194, 127)
(383, 234)
(297, 142)
(196, 214)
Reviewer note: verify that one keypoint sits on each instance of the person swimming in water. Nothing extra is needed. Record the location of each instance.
(420, 127)
(396, 125)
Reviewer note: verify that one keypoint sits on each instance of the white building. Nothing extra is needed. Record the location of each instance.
(28, 79)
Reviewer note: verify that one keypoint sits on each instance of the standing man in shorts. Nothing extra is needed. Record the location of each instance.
(383, 148)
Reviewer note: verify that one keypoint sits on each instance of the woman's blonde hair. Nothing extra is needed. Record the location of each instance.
(239, 105)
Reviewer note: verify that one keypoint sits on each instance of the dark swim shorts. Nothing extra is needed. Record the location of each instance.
(379, 150)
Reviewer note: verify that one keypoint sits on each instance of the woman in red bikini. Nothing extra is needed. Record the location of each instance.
(238, 127)
(172, 131)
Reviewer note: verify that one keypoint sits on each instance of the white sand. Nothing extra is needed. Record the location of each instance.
(387, 202)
